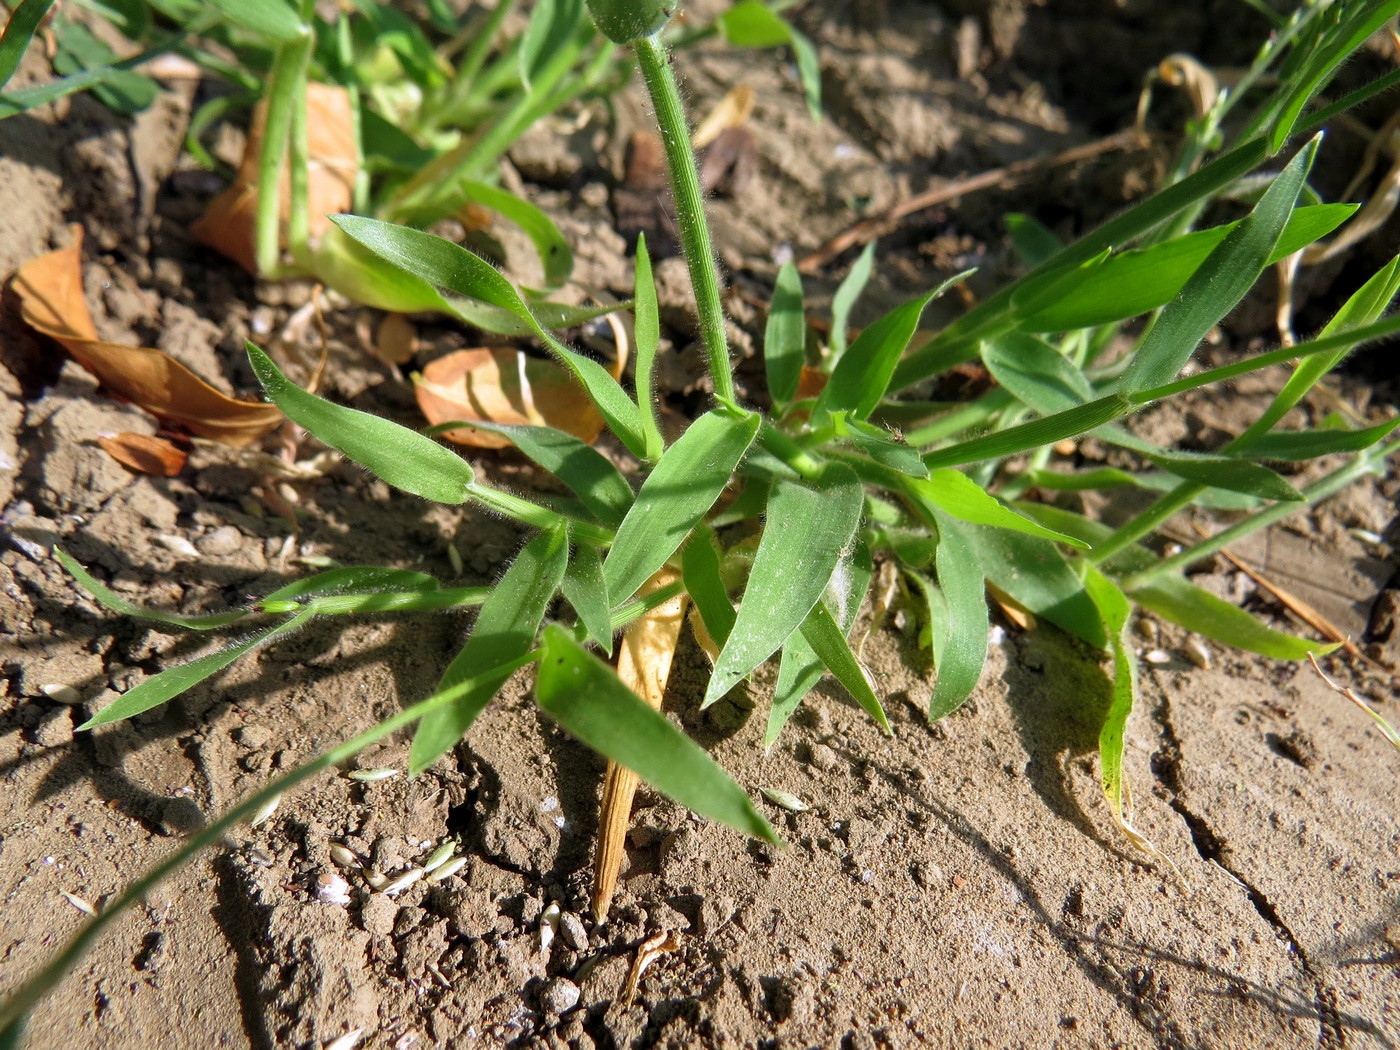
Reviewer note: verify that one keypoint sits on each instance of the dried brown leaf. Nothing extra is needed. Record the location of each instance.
(145, 453)
(732, 111)
(651, 949)
(228, 224)
(50, 293)
(503, 385)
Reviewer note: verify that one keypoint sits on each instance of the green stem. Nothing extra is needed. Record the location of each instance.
(17, 1008)
(288, 71)
(1318, 490)
(690, 208)
(522, 510)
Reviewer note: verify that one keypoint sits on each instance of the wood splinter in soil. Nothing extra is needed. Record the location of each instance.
(644, 665)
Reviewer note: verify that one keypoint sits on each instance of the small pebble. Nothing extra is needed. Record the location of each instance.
(224, 540)
(571, 928)
(823, 757)
(559, 996)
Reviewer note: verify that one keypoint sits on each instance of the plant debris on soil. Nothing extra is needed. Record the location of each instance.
(960, 884)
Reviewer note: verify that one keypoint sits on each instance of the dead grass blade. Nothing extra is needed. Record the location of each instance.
(651, 949)
(644, 665)
(1346, 691)
(50, 293)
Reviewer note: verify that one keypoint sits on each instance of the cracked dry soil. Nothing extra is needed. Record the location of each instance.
(958, 885)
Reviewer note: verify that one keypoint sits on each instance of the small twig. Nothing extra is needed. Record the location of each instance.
(877, 226)
(644, 665)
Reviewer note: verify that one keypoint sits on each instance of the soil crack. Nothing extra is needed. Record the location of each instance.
(1211, 847)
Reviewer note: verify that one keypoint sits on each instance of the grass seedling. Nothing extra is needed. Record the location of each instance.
(821, 485)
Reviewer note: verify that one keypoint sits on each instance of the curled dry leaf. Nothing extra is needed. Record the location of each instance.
(503, 385)
(228, 224)
(50, 294)
(145, 453)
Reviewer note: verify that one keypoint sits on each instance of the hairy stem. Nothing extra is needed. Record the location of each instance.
(690, 208)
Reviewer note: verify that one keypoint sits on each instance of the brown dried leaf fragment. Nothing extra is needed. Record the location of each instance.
(145, 453)
(503, 385)
(651, 949)
(50, 293)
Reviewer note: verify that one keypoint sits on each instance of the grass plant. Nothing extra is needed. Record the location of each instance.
(773, 517)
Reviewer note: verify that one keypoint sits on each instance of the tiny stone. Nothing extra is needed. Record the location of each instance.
(223, 540)
(571, 928)
(559, 996)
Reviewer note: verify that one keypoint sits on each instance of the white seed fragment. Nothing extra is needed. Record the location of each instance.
(79, 903)
(178, 545)
(1159, 657)
(996, 634)
(317, 561)
(1368, 536)
(344, 855)
(403, 882)
(549, 926)
(1197, 653)
(332, 889)
(370, 776)
(785, 800)
(454, 556)
(441, 855)
(62, 694)
(373, 879)
(447, 869)
(264, 811)
(348, 1041)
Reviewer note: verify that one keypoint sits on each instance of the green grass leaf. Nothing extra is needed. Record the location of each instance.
(1035, 373)
(1219, 283)
(504, 631)
(590, 474)
(1044, 431)
(704, 581)
(175, 680)
(19, 30)
(959, 341)
(551, 26)
(109, 599)
(800, 669)
(556, 257)
(1137, 281)
(880, 445)
(809, 524)
(785, 337)
(860, 377)
(684, 485)
(1114, 609)
(647, 332)
(451, 266)
(828, 641)
(1309, 444)
(273, 20)
(847, 292)
(586, 697)
(587, 592)
(402, 457)
(1173, 598)
(955, 494)
(1034, 572)
(957, 607)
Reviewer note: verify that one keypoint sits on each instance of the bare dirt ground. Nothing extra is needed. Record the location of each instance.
(959, 885)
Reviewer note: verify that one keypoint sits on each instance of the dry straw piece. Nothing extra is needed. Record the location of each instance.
(644, 665)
